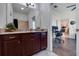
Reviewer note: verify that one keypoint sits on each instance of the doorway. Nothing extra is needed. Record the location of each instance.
(63, 45)
(65, 26)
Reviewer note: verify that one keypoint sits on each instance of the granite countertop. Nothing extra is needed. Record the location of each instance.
(16, 32)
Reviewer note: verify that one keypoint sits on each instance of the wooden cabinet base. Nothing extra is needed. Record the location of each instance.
(22, 44)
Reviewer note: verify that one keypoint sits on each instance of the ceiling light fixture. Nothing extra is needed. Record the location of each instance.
(72, 6)
(54, 5)
(29, 5)
(22, 8)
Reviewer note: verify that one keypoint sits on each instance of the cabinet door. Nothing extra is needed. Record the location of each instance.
(0, 45)
(27, 44)
(12, 45)
(36, 42)
(43, 40)
(11, 48)
(31, 43)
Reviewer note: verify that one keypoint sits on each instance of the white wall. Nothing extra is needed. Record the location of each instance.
(6, 14)
(19, 16)
(77, 21)
(77, 16)
(34, 12)
(44, 15)
(9, 13)
(30, 15)
(2, 15)
(41, 13)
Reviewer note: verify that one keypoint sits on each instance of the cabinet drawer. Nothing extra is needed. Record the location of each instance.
(11, 36)
(27, 36)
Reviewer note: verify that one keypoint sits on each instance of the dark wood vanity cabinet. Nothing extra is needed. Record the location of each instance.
(31, 43)
(0, 45)
(36, 42)
(11, 48)
(22, 44)
(12, 45)
(43, 39)
(27, 44)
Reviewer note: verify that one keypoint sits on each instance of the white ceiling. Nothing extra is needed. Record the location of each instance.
(17, 7)
(62, 7)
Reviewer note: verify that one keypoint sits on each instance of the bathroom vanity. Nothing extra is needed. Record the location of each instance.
(23, 43)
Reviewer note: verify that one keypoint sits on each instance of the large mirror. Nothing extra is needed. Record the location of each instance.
(24, 16)
(2, 15)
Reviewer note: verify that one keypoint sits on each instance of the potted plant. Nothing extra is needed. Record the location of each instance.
(10, 27)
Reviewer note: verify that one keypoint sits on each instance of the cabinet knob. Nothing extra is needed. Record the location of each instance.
(18, 42)
(32, 39)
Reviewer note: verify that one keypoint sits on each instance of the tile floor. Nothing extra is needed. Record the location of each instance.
(45, 53)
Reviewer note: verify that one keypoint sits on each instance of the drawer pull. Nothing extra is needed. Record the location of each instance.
(12, 37)
(32, 39)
